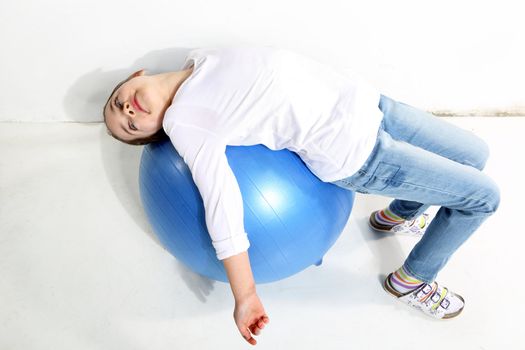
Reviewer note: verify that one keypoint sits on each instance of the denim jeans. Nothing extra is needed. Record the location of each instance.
(421, 160)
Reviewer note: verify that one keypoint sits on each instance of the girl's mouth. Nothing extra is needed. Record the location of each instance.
(136, 104)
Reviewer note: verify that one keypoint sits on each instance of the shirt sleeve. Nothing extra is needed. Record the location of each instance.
(205, 155)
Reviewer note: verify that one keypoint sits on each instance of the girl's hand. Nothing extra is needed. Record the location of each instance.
(250, 317)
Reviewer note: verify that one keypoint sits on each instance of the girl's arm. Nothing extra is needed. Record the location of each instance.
(240, 275)
(205, 154)
(249, 313)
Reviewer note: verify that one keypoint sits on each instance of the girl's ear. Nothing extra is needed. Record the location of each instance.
(137, 74)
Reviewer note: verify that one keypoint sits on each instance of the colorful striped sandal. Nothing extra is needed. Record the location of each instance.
(432, 299)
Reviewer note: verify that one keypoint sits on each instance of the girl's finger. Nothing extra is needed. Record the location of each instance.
(246, 335)
(254, 329)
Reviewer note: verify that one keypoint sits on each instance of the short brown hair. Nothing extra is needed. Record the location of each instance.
(158, 136)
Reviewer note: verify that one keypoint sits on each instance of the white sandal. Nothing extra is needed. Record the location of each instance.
(414, 227)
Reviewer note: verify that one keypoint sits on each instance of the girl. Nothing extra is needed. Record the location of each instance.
(345, 131)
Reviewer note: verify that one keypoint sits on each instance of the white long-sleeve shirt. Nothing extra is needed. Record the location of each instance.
(264, 95)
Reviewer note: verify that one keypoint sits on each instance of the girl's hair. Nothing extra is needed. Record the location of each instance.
(158, 136)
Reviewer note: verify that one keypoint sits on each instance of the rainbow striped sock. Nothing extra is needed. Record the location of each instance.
(387, 218)
(403, 282)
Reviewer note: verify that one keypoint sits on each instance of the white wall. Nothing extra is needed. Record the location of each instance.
(60, 59)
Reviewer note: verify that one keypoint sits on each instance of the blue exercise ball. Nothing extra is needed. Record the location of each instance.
(291, 217)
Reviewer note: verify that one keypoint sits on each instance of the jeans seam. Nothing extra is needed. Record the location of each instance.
(440, 191)
(423, 187)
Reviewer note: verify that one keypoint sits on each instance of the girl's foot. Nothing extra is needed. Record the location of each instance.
(382, 220)
(432, 299)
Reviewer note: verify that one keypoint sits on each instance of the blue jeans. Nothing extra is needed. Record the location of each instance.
(421, 160)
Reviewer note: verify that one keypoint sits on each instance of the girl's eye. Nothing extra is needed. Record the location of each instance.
(117, 103)
(133, 127)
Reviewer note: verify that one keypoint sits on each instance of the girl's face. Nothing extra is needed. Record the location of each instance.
(136, 108)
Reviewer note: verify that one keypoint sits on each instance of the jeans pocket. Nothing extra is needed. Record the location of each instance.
(382, 176)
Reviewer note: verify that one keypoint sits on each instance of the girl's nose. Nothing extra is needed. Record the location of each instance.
(128, 108)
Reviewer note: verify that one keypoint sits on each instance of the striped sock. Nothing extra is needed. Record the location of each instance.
(403, 282)
(387, 218)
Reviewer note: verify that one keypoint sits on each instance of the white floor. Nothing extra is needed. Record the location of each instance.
(81, 269)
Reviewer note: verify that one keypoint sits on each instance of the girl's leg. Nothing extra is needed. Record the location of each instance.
(466, 195)
(422, 129)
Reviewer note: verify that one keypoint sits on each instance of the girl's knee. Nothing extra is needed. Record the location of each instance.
(493, 197)
(483, 152)
(480, 152)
